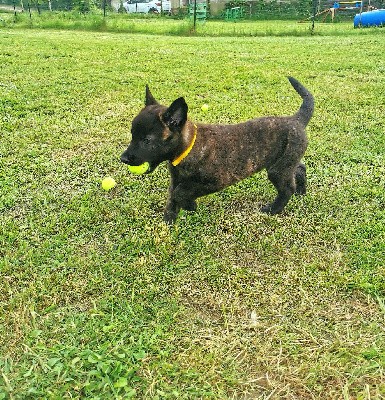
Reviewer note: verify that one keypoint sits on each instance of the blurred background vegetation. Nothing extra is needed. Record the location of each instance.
(255, 9)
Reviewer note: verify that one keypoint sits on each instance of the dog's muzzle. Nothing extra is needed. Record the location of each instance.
(129, 159)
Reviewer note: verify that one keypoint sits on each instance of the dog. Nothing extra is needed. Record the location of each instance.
(206, 158)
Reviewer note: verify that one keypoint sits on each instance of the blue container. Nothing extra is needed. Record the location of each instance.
(370, 18)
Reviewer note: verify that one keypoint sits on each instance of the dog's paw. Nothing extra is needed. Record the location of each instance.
(169, 217)
(270, 209)
(189, 205)
(266, 209)
(300, 191)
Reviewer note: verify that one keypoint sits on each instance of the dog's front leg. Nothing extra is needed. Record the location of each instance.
(172, 207)
(184, 195)
(171, 212)
(178, 198)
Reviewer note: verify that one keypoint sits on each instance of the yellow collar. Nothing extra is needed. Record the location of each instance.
(187, 151)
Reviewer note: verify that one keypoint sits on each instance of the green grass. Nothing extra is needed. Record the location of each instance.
(99, 299)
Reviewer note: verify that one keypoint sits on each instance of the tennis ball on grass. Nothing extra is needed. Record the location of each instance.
(108, 183)
(205, 107)
(139, 169)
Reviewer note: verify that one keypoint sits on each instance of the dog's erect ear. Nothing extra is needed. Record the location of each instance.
(150, 100)
(176, 115)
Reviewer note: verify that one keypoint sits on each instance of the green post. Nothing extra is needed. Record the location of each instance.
(14, 10)
(314, 14)
(195, 14)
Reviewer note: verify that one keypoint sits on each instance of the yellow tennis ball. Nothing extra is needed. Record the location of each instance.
(108, 183)
(139, 169)
(205, 107)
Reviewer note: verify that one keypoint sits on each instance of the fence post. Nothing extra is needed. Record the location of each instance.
(14, 10)
(313, 16)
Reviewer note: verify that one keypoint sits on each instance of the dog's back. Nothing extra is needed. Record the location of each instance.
(250, 146)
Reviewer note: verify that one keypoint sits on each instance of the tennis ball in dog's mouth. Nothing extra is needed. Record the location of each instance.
(108, 183)
(205, 107)
(139, 169)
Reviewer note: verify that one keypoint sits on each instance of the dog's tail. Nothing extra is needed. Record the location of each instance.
(306, 110)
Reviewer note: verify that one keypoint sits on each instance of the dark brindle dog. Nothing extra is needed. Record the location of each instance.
(207, 158)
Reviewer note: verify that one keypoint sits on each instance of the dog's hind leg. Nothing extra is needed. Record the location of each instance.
(284, 181)
(287, 174)
(300, 179)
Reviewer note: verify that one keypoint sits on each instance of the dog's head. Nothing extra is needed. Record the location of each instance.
(156, 132)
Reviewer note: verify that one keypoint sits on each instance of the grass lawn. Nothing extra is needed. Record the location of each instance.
(99, 299)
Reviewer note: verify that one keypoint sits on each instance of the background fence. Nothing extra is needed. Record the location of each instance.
(256, 9)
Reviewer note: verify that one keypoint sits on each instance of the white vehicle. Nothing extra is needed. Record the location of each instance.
(147, 6)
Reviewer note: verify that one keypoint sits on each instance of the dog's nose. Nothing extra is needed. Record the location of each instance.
(125, 158)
